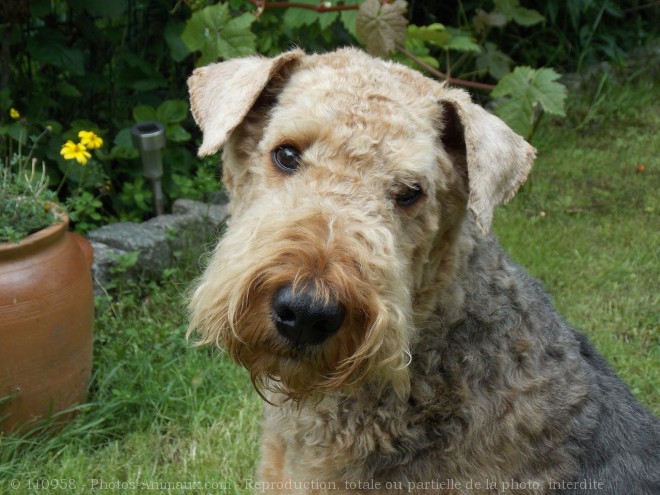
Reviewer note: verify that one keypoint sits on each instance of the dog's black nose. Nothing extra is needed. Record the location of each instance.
(303, 318)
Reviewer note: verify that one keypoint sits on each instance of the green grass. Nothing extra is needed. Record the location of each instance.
(160, 411)
(587, 224)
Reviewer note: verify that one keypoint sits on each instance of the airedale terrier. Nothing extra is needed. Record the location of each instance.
(397, 347)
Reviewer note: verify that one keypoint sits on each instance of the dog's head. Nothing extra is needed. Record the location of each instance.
(349, 178)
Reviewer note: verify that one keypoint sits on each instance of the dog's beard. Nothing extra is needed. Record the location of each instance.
(232, 308)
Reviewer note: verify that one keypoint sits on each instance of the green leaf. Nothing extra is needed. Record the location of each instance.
(172, 35)
(483, 20)
(327, 18)
(512, 10)
(382, 26)
(49, 47)
(527, 88)
(123, 138)
(497, 64)
(461, 41)
(66, 89)
(124, 153)
(436, 34)
(349, 17)
(144, 113)
(138, 73)
(172, 111)
(219, 36)
(527, 17)
(177, 134)
(237, 39)
(18, 132)
(297, 18)
(5, 100)
(421, 51)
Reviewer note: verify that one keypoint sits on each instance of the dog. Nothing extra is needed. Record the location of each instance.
(397, 347)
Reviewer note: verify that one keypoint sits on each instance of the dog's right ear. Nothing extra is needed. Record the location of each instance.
(222, 94)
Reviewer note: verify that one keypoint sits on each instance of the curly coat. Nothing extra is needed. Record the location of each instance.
(451, 372)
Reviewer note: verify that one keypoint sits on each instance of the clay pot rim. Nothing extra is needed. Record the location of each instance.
(38, 239)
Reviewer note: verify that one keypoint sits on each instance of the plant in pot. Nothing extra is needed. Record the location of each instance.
(46, 294)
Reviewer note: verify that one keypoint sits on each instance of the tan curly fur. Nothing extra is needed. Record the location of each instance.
(450, 365)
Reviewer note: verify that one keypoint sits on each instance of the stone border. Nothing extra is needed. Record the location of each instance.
(191, 224)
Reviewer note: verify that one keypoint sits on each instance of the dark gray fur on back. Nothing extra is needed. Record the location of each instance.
(503, 391)
(513, 368)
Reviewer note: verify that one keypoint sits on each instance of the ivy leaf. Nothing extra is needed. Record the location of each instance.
(527, 88)
(512, 10)
(217, 35)
(497, 63)
(382, 27)
(297, 17)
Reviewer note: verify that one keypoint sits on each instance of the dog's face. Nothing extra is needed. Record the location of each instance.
(349, 180)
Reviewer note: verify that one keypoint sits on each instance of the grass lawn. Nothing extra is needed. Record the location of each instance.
(162, 413)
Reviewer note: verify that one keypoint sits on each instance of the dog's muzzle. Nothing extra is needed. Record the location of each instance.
(303, 318)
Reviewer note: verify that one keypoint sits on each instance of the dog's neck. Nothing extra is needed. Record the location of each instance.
(442, 293)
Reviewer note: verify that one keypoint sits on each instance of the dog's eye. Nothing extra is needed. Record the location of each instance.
(286, 158)
(409, 195)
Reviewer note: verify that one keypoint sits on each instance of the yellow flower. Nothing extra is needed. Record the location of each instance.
(90, 140)
(14, 114)
(75, 151)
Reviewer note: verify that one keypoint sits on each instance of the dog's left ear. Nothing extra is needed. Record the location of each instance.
(222, 94)
(496, 159)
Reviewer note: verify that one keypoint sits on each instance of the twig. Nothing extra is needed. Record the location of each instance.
(262, 5)
(442, 75)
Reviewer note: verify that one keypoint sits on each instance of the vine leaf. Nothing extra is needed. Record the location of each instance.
(382, 27)
(483, 20)
(217, 35)
(512, 10)
(327, 18)
(524, 90)
(296, 17)
(435, 34)
(461, 41)
(349, 17)
(491, 59)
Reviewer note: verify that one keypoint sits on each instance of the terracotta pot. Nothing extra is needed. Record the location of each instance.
(46, 319)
